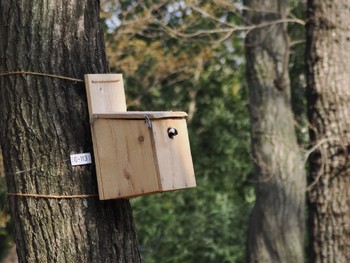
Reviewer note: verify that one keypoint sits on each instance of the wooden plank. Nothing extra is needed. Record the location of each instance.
(105, 93)
(141, 115)
(126, 162)
(173, 155)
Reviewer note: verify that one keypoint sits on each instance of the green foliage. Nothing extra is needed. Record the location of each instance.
(196, 225)
(204, 77)
(208, 223)
(297, 71)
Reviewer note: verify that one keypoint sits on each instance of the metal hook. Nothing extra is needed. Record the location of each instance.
(148, 122)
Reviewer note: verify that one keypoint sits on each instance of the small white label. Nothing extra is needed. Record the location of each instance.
(80, 159)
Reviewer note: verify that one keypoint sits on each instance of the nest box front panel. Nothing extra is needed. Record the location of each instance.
(125, 162)
(173, 154)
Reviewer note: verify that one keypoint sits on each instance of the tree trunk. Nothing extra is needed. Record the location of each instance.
(44, 120)
(276, 228)
(328, 96)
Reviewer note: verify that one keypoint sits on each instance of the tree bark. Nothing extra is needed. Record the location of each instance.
(44, 120)
(328, 96)
(276, 227)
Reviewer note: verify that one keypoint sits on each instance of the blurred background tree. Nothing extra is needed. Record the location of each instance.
(277, 223)
(327, 49)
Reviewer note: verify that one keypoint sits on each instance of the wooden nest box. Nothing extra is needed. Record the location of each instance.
(136, 153)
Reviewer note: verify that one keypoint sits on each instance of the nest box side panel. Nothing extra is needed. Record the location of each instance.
(105, 93)
(125, 162)
(173, 154)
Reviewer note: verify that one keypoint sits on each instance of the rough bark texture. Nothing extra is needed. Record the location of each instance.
(276, 228)
(44, 120)
(328, 95)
